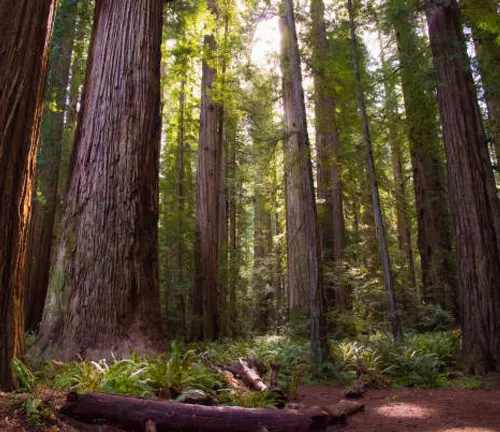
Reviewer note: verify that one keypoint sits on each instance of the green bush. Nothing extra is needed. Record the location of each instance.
(432, 317)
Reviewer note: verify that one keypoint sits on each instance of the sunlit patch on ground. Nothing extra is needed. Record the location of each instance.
(405, 410)
(468, 429)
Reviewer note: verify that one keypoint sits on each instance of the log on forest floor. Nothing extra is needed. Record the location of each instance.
(246, 374)
(140, 414)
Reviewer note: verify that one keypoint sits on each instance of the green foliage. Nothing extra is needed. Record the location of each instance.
(24, 375)
(419, 361)
(432, 317)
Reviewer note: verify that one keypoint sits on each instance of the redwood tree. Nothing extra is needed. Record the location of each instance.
(103, 292)
(26, 29)
(207, 218)
(429, 173)
(303, 244)
(327, 137)
(474, 202)
(47, 172)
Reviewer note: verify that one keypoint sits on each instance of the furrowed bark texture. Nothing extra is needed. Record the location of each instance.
(429, 173)
(327, 138)
(205, 319)
(382, 242)
(103, 292)
(26, 29)
(47, 171)
(475, 207)
(304, 248)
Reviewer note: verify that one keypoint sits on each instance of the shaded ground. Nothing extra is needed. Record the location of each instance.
(417, 410)
(386, 411)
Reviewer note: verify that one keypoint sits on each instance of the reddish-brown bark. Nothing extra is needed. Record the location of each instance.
(429, 173)
(47, 172)
(303, 243)
(327, 138)
(103, 292)
(26, 29)
(474, 203)
(207, 215)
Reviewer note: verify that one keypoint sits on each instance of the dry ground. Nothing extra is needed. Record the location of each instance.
(386, 410)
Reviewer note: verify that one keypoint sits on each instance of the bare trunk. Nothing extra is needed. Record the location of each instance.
(47, 175)
(103, 293)
(327, 138)
(304, 248)
(384, 253)
(176, 313)
(205, 315)
(432, 205)
(26, 29)
(475, 206)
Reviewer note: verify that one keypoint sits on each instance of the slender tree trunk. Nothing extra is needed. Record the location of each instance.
(303, 243)
(233, 249)
(205, 315)
(327, 137)
(475, 206)
(384, 253)
(433, 215)
(103, 292)
(47, 175)
(176, 312)
(402, 208)
(403, 217)
(26, 30)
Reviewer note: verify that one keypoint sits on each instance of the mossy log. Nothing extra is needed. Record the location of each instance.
(139, 414)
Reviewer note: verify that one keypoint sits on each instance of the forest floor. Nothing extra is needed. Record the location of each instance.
(420, 410)
(386, 410)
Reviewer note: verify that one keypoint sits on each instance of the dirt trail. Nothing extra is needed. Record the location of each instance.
(415, 409)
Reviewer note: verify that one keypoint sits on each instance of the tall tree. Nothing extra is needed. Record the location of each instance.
(103, 291)
(327, 137)
(403, 215)
(26, 30)
(382, 242)
(484, 18)
(207, 218)
(474, 202)
(49, 156)
(429, 174)
(303, 244)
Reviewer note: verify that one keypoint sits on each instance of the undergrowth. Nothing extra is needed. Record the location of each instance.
(422, 360)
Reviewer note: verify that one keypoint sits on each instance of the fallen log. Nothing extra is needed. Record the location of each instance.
(337, 414)
(250, 374)
(140, 414)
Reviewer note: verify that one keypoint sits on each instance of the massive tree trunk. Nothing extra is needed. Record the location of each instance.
(382, 242)
(26, 29)
(327, 138)
(47, 171)
(475, 206)
(433, 215)
(303, 244)
(205, 315)
(103, 292)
